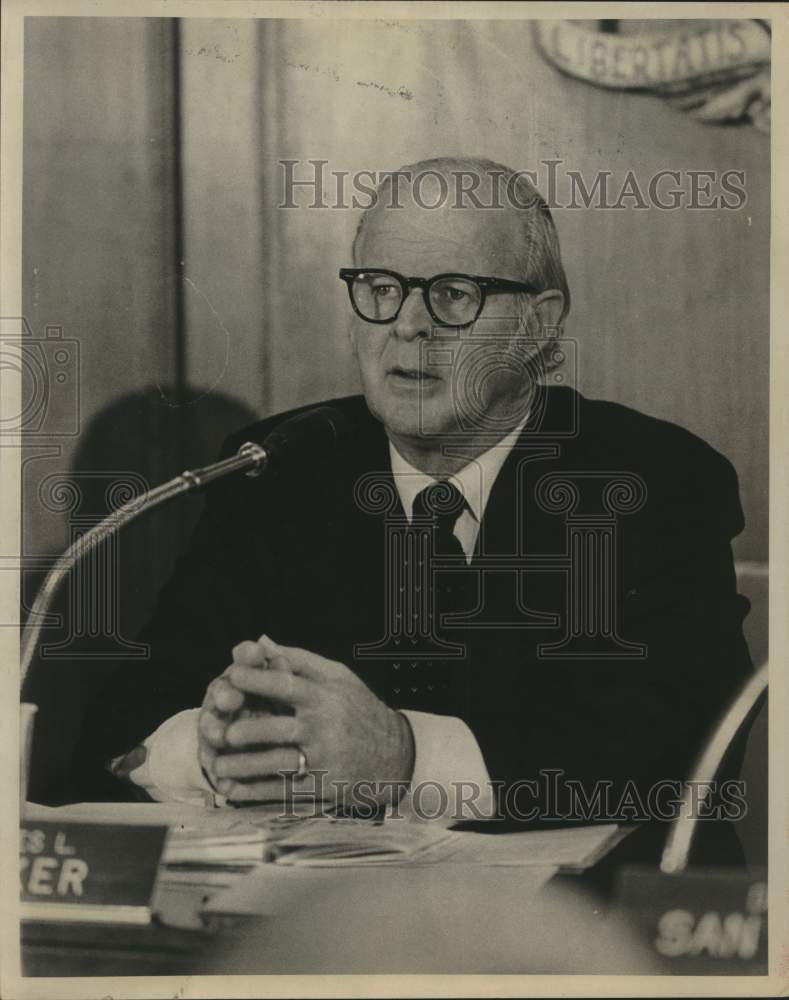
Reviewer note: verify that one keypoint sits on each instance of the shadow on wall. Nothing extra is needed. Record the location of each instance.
(139, 441)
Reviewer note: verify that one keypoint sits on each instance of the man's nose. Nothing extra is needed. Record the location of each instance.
(414, 320)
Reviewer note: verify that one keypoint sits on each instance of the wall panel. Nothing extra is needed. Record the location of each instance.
(223, 273)
(98, 231)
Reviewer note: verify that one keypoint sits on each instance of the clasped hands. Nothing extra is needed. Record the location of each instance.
(348, 736)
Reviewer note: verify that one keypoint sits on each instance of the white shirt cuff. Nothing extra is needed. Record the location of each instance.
(450, 780)
(171, 770)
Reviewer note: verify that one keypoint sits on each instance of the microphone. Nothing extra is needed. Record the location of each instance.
(304, 438)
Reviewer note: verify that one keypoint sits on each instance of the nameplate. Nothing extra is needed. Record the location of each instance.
(705, 921)
(88, 871)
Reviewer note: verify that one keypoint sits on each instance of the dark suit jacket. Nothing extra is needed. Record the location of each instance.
(302, 558)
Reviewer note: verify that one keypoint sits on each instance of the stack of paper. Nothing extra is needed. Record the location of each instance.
(213, 847)
(328, 842)
(323, 841)
(216, 850)
(405, 860)
(212, 860)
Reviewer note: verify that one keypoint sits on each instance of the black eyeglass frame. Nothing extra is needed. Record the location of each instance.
(484, 283)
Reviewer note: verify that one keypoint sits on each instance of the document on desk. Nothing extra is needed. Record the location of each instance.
(327, 842)
(241, 839)
(569, 848)
(404, 857)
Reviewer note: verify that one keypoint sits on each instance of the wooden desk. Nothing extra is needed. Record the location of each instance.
(111, 950)
(437, 919)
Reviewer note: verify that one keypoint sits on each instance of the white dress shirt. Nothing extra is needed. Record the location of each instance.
(448, 760)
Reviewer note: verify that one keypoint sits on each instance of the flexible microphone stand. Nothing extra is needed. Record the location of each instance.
(251, 459)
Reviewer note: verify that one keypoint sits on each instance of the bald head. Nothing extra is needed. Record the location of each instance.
(480, 212)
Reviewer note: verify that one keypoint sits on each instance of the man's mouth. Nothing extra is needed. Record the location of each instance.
(412, 374)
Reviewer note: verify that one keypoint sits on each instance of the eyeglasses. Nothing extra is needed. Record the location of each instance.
(377, 295)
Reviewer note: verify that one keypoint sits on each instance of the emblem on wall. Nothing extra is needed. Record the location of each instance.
(716, 71)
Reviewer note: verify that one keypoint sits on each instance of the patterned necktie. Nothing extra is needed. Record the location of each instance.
(436, 684)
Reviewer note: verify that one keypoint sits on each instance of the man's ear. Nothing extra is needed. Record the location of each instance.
(549, 307)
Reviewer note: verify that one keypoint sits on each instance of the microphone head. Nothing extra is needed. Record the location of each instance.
(306, 438)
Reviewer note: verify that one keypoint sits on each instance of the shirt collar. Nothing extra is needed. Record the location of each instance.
(475, 480)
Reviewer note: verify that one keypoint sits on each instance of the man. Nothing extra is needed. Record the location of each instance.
(557, 615)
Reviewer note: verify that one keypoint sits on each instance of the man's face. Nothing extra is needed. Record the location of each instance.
(424, 381)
